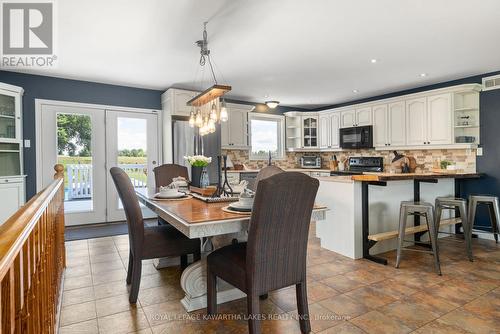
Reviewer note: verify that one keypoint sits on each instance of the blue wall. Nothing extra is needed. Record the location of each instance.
(43, 87)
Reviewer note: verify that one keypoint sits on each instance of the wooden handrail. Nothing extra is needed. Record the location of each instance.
(32, 260)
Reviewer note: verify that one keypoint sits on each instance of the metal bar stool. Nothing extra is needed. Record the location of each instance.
(423, 209)
(452, 203)
(494, 210)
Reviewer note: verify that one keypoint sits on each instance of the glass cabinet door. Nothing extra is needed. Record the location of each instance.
(10, 160)
(8, 116)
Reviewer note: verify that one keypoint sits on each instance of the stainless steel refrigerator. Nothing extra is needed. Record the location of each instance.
(186, 141)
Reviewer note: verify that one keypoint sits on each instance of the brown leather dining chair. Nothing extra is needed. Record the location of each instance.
(274, 256)
(147, 242)
(166, 172)
(265, 173)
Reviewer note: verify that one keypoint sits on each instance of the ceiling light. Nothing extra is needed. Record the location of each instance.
(373, 61)
(272, 104)
(423, 75)
(355, 91)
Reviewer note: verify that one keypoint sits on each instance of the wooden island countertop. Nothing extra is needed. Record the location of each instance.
(378, 177)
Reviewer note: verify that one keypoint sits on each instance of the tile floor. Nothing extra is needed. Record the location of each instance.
(345, 296)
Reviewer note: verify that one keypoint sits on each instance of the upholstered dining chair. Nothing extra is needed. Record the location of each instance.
(165, 173)
(274, 256)
(265, 173)
(147, 242)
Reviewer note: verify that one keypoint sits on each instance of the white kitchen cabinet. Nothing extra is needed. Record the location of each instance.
(439, 120)
(356, 117)
(396, 126)
(234, 132)
(329, 125)
(334, 130)
(364, 116)
(429, 120)
(175, 100)
(348, 118)
(380, 128)
(310, 131)
(324, 131)
(416, 121)
(12, 195)
(389, 124)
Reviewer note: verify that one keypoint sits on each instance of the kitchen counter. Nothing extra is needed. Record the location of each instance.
(379, 177)
(288, 170)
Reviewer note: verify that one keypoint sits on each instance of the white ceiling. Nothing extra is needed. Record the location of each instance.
(302, 53)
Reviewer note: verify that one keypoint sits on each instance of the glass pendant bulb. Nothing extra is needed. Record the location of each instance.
(191, 119)
(211, 126)
(223, 112)
(213, 113)
(199, 119)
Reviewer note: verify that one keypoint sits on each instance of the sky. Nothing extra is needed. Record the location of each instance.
(132, 133)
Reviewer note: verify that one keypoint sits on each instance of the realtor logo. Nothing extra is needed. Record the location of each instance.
(28, 34)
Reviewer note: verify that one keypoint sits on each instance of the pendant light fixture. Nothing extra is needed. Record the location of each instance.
(208, 111)
(272, 104)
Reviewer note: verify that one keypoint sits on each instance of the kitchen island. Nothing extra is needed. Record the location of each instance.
(365, 205)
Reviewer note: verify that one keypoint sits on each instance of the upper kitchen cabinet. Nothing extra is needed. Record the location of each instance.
(380, 128)
(356, 117)
(329, 124)
(234, 132)
(466, 117)
(429, 120)
(389, 124)
(439, 120)
(293, 132)
(416, 121)
(310, 131)
(175, 100)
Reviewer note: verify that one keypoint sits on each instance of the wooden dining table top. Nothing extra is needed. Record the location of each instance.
(192, 214)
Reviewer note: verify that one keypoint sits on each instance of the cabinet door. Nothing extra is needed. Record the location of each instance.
(324, 131)
(396, 123)
(310, 131)
(364, 116)
(334, 130)
(238, 134)
(10, 116)
(224, 134)
(380, 126)
(416, 121)
(12, 195)
(181, 97)
(439, 119)
(348, 118)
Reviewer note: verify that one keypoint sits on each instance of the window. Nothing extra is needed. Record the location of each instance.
(266, 135)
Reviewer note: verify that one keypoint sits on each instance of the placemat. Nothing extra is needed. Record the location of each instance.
(229, 210)
(172, 199)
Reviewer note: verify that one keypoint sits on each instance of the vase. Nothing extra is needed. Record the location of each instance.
(196, 176)
(204, 180)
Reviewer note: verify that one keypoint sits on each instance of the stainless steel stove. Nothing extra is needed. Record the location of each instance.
(358, 165)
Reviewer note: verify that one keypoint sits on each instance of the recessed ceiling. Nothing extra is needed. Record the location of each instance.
(301, 53)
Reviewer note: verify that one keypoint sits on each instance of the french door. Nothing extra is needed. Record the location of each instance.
(88, 141)
(131, 144)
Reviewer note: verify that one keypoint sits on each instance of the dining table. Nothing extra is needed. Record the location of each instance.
(215, 227)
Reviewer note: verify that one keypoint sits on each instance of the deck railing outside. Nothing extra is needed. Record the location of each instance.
(80, 179)
(32, 260)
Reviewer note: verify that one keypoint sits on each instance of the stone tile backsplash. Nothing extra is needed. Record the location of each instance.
(464, 158)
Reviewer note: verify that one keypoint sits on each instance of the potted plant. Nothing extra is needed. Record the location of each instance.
(199, 173)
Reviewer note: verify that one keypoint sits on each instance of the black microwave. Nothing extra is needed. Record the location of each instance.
(356, 137)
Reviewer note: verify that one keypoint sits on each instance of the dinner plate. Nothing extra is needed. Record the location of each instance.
(178, 195)
(239, 206)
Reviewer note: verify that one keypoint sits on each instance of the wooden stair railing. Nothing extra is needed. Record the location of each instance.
(32, 261)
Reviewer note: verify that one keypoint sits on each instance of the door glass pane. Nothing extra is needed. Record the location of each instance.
(7, 116)
(74, 152)
(132, 151)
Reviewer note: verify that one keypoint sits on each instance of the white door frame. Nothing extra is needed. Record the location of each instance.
(39, 103)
